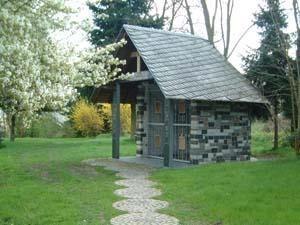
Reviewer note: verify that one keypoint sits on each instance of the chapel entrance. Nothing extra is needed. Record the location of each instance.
(156, 136)
(182, 126)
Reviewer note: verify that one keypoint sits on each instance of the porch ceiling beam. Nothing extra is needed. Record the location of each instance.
(116, 127)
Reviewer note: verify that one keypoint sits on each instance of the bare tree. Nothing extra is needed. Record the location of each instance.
(189, 16)
(226, 35)
(163, 14)
(209, 23)
(175, 7)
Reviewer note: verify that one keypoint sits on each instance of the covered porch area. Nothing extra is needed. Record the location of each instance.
(126, 92)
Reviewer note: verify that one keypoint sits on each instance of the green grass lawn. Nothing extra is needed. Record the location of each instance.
(42, 182)
(261, 193)
(241, 193)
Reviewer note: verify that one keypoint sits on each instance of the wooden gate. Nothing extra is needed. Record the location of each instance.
(156, 124)
(182, 125)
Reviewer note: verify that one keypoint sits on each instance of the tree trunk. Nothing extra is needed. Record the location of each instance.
(12, 128)
(209, 26)
(189, 16)
(275, 126)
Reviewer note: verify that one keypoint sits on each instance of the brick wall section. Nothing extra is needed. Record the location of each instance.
(140, 114)
(219, 132)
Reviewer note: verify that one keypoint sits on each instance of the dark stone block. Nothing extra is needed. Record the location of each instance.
(195, 161)
(138, 138)
(225, 147)
(194, 142)
(225, 117)
(245, 153)
(214, 150)
(139, 152)
(196, 136)
(220, 159)
(216, 116)
(246, 148)
(211, 124)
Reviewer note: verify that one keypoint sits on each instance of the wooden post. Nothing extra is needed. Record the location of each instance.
(133, 119)
(169, 137)
(138, 63)
(116, 127)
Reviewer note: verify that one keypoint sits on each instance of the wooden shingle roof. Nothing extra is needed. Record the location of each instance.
(189, 67)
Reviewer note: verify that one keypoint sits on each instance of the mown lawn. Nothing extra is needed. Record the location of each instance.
(42, 182)
(246, 193)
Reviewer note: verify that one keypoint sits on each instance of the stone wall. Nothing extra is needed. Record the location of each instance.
(140, 120)
(219, 132)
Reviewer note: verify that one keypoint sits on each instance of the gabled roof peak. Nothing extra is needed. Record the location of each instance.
(185, 66)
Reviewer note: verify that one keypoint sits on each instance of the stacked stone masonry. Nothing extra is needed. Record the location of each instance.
(219, 132)
(140, 117)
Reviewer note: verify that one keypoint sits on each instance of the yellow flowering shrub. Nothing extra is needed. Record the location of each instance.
(86, 118)
(90, 120)
(106, 116)
(125, 118)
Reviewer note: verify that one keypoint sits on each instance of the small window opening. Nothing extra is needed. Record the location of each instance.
(181, 142)
(157, 107)
(157, 141)
(181, 107)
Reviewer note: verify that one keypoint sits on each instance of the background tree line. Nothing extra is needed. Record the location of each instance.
(271, 67)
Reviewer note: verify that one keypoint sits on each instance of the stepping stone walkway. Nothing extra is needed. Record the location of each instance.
(140, 207)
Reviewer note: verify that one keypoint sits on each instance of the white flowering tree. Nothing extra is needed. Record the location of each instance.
(98, 66)
(35, 74)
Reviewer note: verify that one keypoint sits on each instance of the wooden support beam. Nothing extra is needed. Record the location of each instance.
(138, 60)
(169, 133)
(116, 122)
(138, 64)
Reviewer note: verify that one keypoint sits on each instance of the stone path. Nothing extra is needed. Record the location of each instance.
(139, 191)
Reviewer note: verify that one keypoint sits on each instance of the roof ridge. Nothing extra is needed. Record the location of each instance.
(165, 31)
